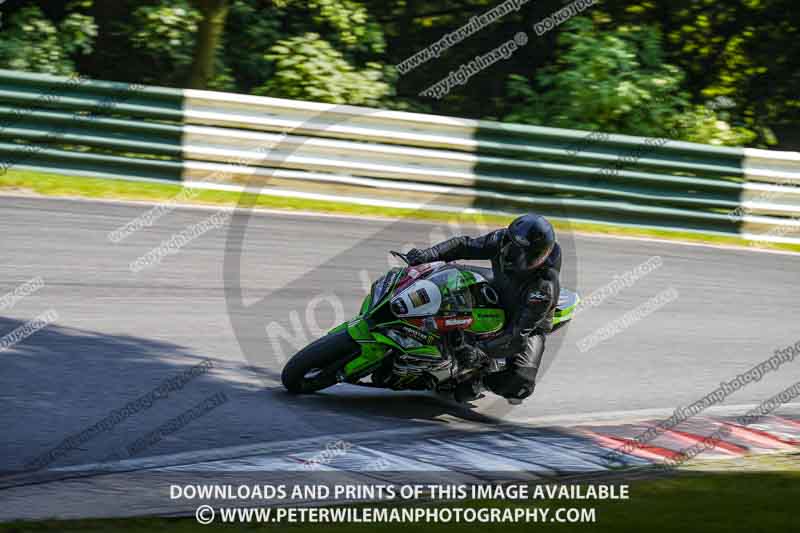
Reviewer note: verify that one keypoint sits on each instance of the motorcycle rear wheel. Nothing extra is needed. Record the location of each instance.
(316, 366)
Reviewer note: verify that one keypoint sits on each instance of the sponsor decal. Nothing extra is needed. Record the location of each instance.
(456, 322)
(537, 296)
(417, 335)
(419, 297)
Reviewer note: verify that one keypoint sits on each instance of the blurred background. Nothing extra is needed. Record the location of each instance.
(725, 73)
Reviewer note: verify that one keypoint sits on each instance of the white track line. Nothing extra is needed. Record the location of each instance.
(619, 417)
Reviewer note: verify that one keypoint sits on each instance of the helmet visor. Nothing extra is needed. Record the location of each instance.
(513, 257)
(517, 258)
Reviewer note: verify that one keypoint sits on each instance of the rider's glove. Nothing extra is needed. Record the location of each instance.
(418, 257)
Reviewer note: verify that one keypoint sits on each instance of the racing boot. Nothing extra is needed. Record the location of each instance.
(518, 380)
(468, 391)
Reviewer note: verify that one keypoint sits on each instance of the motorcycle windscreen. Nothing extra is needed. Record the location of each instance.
(445, 292)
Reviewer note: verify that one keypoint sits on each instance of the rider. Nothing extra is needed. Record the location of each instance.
(526, 262)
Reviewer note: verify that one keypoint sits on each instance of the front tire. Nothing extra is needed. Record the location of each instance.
(315, 367)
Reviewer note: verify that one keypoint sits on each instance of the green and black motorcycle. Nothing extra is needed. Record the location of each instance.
(408, 330)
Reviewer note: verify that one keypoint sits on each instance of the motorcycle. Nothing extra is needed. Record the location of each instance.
(409, 330)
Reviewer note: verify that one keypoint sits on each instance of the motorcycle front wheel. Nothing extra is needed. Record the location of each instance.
(315, 367)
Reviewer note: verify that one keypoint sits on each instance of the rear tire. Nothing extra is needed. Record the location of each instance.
(315, 367)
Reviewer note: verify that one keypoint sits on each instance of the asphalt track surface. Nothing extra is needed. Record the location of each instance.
(119, 333)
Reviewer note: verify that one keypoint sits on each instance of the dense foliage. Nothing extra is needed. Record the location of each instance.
(701, 70)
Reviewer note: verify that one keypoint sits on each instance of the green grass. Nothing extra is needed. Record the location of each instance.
(68, 186)
(711, 503)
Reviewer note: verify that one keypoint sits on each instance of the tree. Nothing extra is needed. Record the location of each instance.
(616, 80)
(164, 33)
(747, 51)
(251, 29)
(209, 40)
(34, 43)
(309, 68)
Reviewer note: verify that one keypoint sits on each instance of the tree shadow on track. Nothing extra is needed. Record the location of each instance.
(368, 401)
(391, 405)
(61, 381)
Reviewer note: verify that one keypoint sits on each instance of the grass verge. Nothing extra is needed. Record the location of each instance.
(711, 502)
(70, 186)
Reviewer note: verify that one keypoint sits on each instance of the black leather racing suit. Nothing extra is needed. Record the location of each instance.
(529, 299)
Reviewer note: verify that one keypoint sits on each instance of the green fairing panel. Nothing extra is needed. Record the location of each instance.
(468, 278)
(371, 353)
(567, 304)
(383, 339)
(373, 346)
(425, 351)
(359, 330)
(487, 320)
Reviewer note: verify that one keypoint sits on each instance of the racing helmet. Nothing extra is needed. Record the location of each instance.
(530, 239)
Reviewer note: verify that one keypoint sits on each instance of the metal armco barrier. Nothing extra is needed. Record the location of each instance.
(285, 147)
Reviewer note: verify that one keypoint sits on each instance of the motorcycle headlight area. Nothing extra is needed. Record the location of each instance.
(402, 340)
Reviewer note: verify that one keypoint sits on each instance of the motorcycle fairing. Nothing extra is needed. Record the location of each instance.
(417, 335)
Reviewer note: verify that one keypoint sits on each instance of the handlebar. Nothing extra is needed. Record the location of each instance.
(402, 256)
